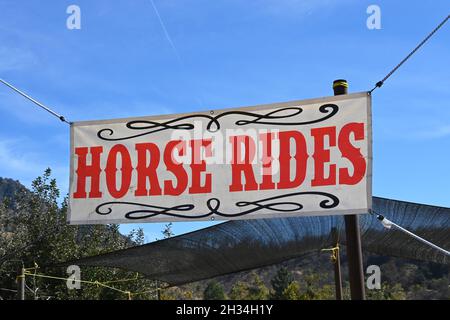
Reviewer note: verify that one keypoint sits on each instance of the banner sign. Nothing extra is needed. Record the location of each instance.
(310, 157)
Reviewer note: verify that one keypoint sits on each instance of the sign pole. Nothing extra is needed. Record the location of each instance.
(352, 233)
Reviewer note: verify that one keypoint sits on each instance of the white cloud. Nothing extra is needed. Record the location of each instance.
(25, 166)
(392, 130)
(12, 159)
(12, 59)
(434, 132)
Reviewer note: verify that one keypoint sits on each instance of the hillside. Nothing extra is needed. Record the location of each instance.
(9, 188)
(400, 278)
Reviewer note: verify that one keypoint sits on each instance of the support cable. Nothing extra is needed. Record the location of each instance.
(381, 82)
(388, 224)
(23, 94)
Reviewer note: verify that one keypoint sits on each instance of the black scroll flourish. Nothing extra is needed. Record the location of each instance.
(213, 205)
(275, 117)
(152, 211)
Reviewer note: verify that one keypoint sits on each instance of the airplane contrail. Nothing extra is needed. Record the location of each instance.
(166, 33)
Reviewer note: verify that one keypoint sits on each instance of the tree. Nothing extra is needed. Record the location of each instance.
(34, 230)
(327, 292)
(311, 281)
(292, 292)
(167, 232)
(257, 290)
(387, 292)
(239, 291)
(280, 283)
(214, 291)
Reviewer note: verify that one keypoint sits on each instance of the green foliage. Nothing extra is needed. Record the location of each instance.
(34, 230)
(326, 292)
(387, 292)
(409, 279)
(280, 283)
(292, 292)
(255, 289)
(315, 289)
(186, 292)
(239, 291)
(214, 291)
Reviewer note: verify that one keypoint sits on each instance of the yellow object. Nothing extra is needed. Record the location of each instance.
(334, 253)
(340, 83)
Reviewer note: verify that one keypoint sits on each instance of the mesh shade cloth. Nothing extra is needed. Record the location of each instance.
(248, 244)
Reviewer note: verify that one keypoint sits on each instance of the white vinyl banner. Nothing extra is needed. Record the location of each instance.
(309, 157)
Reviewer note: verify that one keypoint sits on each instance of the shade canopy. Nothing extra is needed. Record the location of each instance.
(240, 245)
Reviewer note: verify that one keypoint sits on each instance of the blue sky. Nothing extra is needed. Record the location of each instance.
(226, 53)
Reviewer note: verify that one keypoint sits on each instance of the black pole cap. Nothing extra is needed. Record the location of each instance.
(340, 86)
